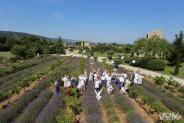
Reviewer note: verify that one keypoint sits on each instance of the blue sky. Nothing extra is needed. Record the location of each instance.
(120, 21)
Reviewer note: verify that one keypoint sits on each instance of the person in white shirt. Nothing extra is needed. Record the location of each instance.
(98, 96)
(108, 77)
(97, 85)
(125, 75)
(126, 86)
(86, 74)
(109, 88)
(140, 77)
(68, 85)
(65, 80)
(95, 76)
(90, 76)
(81, 84)
(104, 73)
(98, 88)
(121, 81)
(103, 80)
(136, 78)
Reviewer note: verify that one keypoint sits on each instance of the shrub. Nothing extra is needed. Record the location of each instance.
(181, 89)
(147, 99)
(73, 107)
(133, 92)
(157, 65)
(117, 62)
(2, 73)
(145, 61)
(1, 82)
(75, 92)
(1, 60)
(110, 54)
(159, 107)
(66, 118)
(127, 59)
(159, 80)
(173, 83)
(137, 61)
(95, 58)
(20, 50)
(176, 84)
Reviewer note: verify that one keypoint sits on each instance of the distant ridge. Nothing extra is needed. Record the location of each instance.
(19, 35)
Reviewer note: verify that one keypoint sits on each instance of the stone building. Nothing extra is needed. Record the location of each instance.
(157, 33)
(85, 44)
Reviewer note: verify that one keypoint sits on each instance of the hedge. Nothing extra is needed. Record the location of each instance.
(157, 65)
(147, 62)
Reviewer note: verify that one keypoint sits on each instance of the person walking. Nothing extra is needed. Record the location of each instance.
(140, 77)
(98, 88)
(68, 85)
(56, 88)
(65, 79)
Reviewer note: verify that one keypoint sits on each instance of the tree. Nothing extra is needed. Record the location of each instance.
(154, 46)
(20, 51)
(90, 52)
(162, 48)
(177, 52)
(139, 46)
(110, 54)
(58, 47)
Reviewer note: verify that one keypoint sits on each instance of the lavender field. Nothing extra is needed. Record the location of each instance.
(29, 98)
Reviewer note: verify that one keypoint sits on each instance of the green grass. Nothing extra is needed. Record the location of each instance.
(170, 69)
(6, 54)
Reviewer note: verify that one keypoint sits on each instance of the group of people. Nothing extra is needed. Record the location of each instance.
(124, 80)
(121, 80)
(68, 82)
(101, 80)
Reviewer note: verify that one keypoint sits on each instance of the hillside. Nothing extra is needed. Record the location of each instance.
(19, 35)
